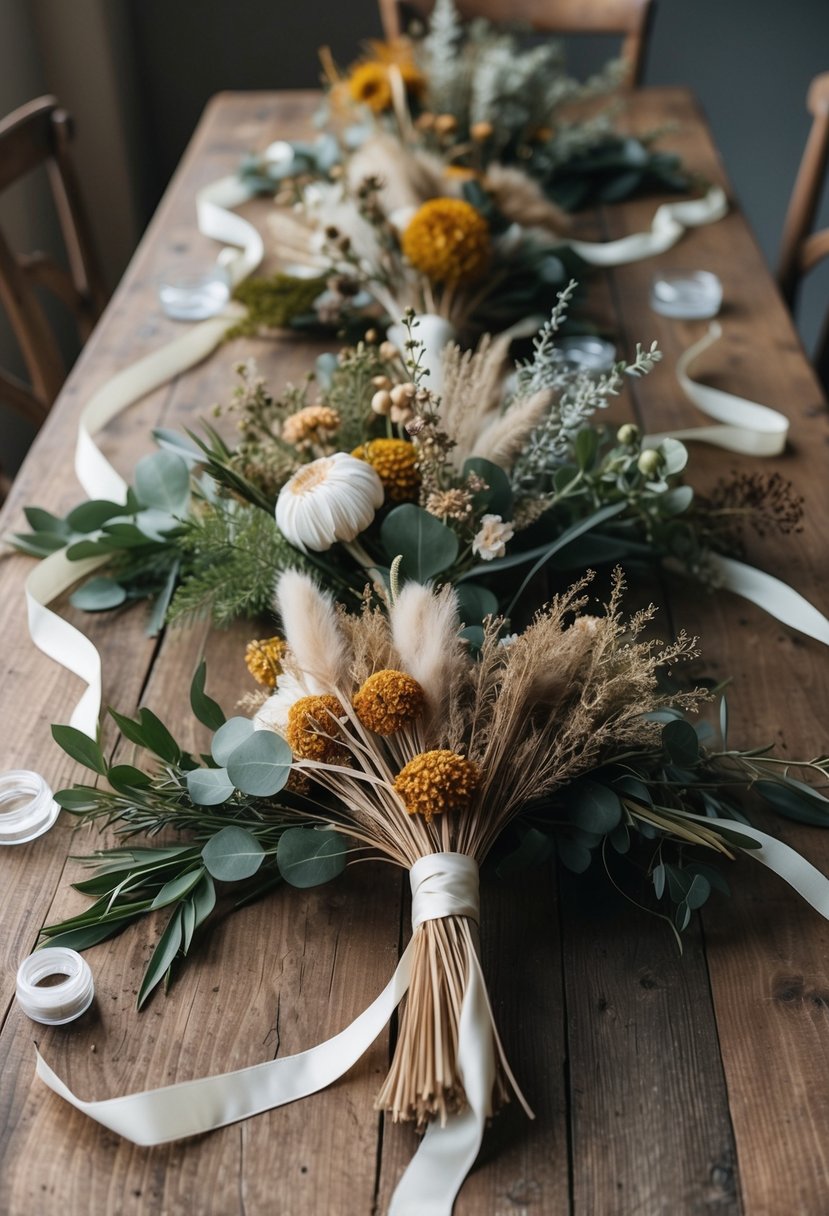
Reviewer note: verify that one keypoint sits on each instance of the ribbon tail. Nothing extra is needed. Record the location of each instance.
(669, 223)
(192, 1108)
(771, 594)
(446, 1154)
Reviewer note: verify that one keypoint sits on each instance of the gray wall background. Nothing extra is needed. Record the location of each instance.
(137, 74)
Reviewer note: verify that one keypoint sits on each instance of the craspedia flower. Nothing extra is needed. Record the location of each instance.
(438, 781)
(448, 240)
(315, 424)
(313, 727)
(395, 462)
(389, 700)
(263, 659)
(330, 499)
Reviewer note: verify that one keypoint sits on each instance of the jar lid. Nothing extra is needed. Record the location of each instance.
(27, 808)
(54, 1004)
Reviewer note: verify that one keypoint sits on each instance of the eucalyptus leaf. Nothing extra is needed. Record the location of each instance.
(497, 498)
(232, 854)
(680, 742)
(260, 765)
(172, 441)
(796, 802)
(594, 807)
(98, 595)
(674, 455)
(475, 603)
(204, 899)
(228, 737)
(573, 856)
(308, 857)
(162, 480)
(209, 786)
(426, 545)
(534, 848)
(677, 500)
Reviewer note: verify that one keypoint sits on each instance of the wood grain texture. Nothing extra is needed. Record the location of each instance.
(661, 1085)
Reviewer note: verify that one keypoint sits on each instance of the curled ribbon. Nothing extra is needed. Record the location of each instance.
(443, 884)
(669, 223)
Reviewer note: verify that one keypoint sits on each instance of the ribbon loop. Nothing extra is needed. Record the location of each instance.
(444, 884)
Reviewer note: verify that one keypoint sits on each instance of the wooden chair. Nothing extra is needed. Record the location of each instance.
(39, 133)
(801, 248)
(630, 18)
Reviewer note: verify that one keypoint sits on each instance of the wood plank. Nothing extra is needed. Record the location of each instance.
(766, 949)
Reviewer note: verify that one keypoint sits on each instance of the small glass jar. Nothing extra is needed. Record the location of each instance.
(688, 295)
(54, 1004)
(588, 353)
(27, 808)
(191, 293)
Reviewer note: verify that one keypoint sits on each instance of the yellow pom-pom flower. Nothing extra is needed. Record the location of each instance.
(370, 81)
(389, 700)
(313, 727)
(395, 463)
(448, 240)
(263, 659)
(438, 781)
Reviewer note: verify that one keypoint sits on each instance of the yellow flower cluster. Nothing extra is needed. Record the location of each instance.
(448, 240)
(263, 659)
(313, 728)
(394, 462)
(389, 700)
(437, 781)
(316, 424)
(370, 81)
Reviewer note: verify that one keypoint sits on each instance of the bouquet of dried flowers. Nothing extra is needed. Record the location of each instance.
(364, 465)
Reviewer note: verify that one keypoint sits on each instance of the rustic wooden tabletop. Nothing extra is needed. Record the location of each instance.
(662, 1085)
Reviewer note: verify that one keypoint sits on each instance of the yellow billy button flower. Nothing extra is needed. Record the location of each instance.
(438, 781)
(369, 84)
(263, 659)
(388, 701)
(448, 240)
(313, 727)
(395, 462)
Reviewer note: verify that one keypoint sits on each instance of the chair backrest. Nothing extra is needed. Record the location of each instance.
(630, 18)
(37, 134)
(801, 248)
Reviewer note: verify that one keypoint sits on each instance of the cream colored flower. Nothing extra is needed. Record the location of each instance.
(330, 499)
(491, 539)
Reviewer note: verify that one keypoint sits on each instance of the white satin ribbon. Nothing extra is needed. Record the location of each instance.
(55, 574)
(443, 884)
(669, 223)
(745, 426)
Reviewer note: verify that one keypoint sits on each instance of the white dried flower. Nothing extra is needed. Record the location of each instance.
(491, 539)
(273, 714)
(330, 499)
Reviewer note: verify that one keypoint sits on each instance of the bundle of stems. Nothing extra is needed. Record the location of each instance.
(428, 749)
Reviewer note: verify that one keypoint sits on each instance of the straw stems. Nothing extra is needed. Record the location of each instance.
(423, 1081)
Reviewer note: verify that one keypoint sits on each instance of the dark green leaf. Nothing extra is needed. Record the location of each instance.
(204, 899)
(188, 924)
(497, 499)
(261, 765)
(475, 603)
(794, 802)
(698, 892)
(78, 799)
(208, 711)
(129, 728)
(682, 916)
(43, 521)
(174, 891)
(125, 777)
(90, 516)
(40, 544)
(162, 958)
(158, 738)
(233, 854)
(658, 877)
(594, 807)
(85, 936)
(534, 848)
(98, 595)
(162, 602)
(80, 747)
(573, 856)
(307, 856)
(586, 446)
(209, 786)
(426, 545)
(679, 740)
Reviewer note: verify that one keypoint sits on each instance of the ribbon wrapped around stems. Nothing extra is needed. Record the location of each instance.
(445, 889)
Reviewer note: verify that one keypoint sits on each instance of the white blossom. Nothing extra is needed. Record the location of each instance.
(330, 499)
(491, 539)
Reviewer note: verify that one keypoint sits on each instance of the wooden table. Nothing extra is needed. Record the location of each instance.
(663, 1086)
